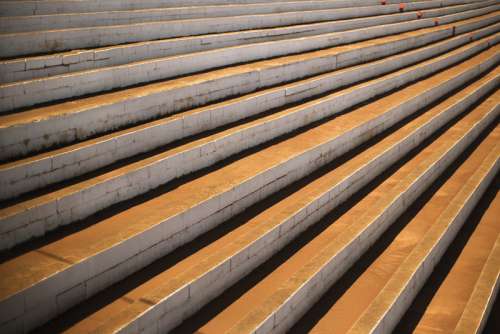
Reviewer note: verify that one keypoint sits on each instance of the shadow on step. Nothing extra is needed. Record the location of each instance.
(493, 323)
(74, 227)
(311, 318)
(237, 290)
(121, 288)
(410, 320)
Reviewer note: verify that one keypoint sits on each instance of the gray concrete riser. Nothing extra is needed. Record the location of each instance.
(62, 21)
(32, 92)
(42, 172)
(36, 220)
(419, 277)
(78, 38)
(126, 251)
(26, 7)
(31, 137)
(50, 65)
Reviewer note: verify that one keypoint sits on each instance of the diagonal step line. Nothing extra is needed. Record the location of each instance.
(30, 178)
(48, 65)
(341, 259)
(58, 207)
(474, 318)
(181, 294)
(380, 316)
(27, 93)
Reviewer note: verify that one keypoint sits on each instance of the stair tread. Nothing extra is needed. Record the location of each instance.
(83, 65)
(42, 61)
(192, 267)
(54, 197)
(201, 12)
(390, 8)
(270, 292)
(449, 302)
(82, 37)
(467, 180)
(168, 165)
(9, 211)
(221, 178)
(346, 310)
(477, 312)
(126, 136)
(18, 130)
(39, 9)
(83, 104)
(76, 247)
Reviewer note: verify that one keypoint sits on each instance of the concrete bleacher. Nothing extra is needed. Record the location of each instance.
(224, 166)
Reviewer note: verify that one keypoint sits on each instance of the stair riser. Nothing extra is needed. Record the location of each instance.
(58, 21)
(35, 221)
(425, 268)
(186, 301)
(478, 309)
(71, 39)
(91, 121)
(21, 8)
(28, 93)
(50, 65)
(291, 311)
(84, 279)
(197, 118)
(56, 168)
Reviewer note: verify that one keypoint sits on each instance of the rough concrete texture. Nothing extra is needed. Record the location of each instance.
(169, 165)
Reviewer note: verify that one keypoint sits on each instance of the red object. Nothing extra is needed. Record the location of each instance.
(383, 2)
(419, 15)
(402, 7)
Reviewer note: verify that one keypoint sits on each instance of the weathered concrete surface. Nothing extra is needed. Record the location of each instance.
(23, 7)
(29, 131)
(255, 179)
(286, 293)
(18, 69)
(176, 190)
(32, 92)
(28, 174)
(34, 217)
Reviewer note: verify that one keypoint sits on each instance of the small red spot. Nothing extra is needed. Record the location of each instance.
(383, 2)
(419, 15)
(402, 7)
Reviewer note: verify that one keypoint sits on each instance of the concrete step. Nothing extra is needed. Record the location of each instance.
(265, 230)
(32, 92)
(462, 288)
(462, 193)
(36, 42)
(296, 282)
(371, 273)
(75, 120)
(184, 212)
(248, 166)
(480, 306)
(77, 20)
(40, 170)
(32, 216)
(19, 69)
(23, 7)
